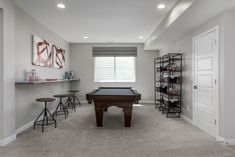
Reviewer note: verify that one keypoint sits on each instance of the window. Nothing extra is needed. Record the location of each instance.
(114, 69)
(114, 64)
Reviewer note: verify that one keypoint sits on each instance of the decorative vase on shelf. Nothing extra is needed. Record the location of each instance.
(71, 74)
(32, 76)
(66, 75)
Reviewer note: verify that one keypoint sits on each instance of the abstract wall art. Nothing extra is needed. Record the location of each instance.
(58, 57)
(42, 52)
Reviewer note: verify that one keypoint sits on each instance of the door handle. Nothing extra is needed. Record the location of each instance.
(195, 87)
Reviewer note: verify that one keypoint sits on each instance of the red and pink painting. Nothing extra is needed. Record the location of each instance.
(58, 57)
(42, 52)
(46, 54)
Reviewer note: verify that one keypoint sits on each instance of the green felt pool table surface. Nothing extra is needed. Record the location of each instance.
(114, 91)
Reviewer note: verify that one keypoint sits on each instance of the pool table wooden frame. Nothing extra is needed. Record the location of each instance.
(102, 102)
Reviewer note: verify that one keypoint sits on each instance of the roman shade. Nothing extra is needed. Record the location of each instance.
(114, 51)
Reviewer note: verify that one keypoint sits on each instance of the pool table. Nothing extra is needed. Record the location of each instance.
(122, 97)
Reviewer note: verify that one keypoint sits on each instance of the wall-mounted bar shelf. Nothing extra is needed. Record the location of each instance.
(46, 81)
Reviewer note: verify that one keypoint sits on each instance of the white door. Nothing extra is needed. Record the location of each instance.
(205, 81)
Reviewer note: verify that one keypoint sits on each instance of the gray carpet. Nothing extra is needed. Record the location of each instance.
(151, 135)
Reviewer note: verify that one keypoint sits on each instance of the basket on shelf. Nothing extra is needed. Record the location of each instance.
(162, 89)
(170, 103)
(171, 79)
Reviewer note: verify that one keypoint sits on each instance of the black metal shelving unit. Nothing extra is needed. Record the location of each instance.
(157, 78)
(168, 83)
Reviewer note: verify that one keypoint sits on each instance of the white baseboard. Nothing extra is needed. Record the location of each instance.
(24, 127)
(146, 102)
(230, 141)
(8, 140)
(220, 139)
(226, 141)
(186, 119)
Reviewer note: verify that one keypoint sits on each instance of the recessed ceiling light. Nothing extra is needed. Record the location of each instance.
(140, 37)
(61, 5)
(161, 6)
(85, 37)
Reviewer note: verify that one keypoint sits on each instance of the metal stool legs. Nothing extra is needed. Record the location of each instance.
(46, 119)
(70, 103)
(61, 109)
(75, 100)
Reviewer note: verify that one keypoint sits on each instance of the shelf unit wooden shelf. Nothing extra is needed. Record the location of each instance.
(168, 83)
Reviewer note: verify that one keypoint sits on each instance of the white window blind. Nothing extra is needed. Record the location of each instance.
(114, 69)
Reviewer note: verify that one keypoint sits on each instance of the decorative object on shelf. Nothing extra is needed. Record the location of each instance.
(58, 57)
(42, 52)
(32, 76)
(69, 75)
(170, 102)
(66, 75)
(172, 67)
(173, 91)
(168, 83)
(170, 79)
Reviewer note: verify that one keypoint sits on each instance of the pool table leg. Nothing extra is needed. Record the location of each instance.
(127, 116)
(99, 116)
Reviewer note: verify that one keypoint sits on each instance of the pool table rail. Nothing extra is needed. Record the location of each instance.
(135, 96)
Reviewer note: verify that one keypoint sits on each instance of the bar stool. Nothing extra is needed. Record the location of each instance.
(74, 99)
(61, 108)
(69, 103)
(45, 113)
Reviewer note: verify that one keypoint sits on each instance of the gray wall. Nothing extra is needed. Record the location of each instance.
(227, 68)
(1, 68)
(26, 107)
(7, 92)
(26, 26)
(82, 63)
(226, 24)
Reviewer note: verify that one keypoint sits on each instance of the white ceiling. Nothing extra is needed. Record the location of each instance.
(198, 13)
(121, 21)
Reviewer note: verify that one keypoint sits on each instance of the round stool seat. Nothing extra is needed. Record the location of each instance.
(62, 95)
(45, 99)
(73, 90)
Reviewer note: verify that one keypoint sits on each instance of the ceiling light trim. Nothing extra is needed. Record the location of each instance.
(161, 6)
(61, 5)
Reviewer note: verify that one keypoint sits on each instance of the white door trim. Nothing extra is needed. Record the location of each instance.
(216, 98)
